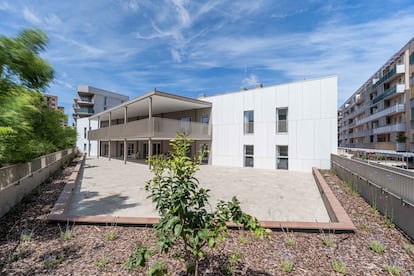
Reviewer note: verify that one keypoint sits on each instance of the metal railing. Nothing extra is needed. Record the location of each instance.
(11, 174)
(399, 184)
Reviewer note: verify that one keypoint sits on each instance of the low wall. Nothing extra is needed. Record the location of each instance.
(397, 208)
(16, 181)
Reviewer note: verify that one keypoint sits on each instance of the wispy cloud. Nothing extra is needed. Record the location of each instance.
(4, 6)
(31, 17)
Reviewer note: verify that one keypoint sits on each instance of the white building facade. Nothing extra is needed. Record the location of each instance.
(290, 126)
(82, 143)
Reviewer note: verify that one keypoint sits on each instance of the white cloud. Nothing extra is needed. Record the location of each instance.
(31, 17)
(133, 5)
(176, 55)
(52, 20)
(250, 81)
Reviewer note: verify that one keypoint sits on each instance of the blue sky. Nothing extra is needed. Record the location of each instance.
(193, 47)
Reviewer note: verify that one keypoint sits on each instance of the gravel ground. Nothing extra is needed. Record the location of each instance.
(30, 245)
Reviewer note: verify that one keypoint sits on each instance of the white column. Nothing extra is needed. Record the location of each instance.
(150, 129)
(98, 143)
(89, 141)
(125, 150)
(109, 141)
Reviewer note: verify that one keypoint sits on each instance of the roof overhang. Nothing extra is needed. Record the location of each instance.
(161, 103)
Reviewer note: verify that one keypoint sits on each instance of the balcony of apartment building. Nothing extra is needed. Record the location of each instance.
(84, 100)
(390, 75)
(154, 118)
(399, 127)
(84, 111)
(389, 93)
(391, 110)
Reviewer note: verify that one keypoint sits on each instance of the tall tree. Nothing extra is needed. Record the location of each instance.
(27, 127)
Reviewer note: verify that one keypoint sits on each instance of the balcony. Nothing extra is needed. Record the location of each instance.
(84, 110)
(399, 88)
(398, 108)
(84, 100)
(398, 69)
(389, 128)
(156, 128)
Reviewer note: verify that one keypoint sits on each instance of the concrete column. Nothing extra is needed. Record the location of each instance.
(149, 151)
(110, 119)
(98, 146)
(125, 150)
(125, 114)
(109, 150)
(89, 141)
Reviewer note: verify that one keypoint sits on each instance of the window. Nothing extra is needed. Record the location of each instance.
(248, 121)
(84, 132)
(282, 157)
(105, 100)
(204, 124)
(130, 149)
(248, 155)
(84, 148)
(281, 120)
(204, 149)
(186, 124)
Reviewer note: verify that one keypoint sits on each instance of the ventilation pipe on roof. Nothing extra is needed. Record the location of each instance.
(259, 85)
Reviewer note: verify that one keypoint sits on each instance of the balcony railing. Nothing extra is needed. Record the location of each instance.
(388, 111)
(156, 128)
(390, 128)
(398, 69)
(399, 88)
(85, 110)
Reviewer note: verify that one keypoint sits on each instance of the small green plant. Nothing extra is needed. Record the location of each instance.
(138, 258)
(388, 222)
(66, 235)
(289, 241)
(158, 269)
(103, 261)
(408, 247)
(244, 238)
(111, 236)
(26, 236)
(339, 266)
(286, 266)
(53, 260)
(328, 242)
(366, 228)
(184, 208)
(377, 246)
(374, 210)
(393, 269)
(14, 256)
(228, 268)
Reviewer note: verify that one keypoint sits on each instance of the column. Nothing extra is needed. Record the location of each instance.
(109, 150)
(149, 152)
(109, 141)
(125, 150)
(150, 129)
(89, 141)
(98, 143)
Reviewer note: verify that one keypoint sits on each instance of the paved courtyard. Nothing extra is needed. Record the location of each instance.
(112, 188)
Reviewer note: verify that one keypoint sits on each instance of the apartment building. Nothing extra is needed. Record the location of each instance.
(92, 100)
(380, 114)
(289, 127)
(51, 100)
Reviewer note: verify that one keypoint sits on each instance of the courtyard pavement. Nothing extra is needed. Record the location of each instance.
(112, 188)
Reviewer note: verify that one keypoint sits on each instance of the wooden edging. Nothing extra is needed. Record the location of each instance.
(340, 220)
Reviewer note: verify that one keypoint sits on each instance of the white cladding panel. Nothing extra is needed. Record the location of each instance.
(82, 125)
(312, 133)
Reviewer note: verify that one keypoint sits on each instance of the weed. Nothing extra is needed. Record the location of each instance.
(339, 266)
(138, 258)
(26, 236)
(408, 247)
(286, 266)
(374, 210)
(244, 239)
(158, 269)
(103, 261)
(393, 269)
(52, 261)
(388, 222)
(228, 268)
(377, 246)
(366, 228)
(290, 241)
(67, 235)
(14, 256)
(111, 236)
(328, 242)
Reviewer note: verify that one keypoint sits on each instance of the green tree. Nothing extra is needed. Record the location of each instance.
(28, 128)
(184, 209)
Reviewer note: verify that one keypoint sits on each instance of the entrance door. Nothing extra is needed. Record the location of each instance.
(204, 148)
(145, 150)
(121, 149)
(156, 148)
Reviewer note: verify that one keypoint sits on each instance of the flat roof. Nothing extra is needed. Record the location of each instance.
(162, 102)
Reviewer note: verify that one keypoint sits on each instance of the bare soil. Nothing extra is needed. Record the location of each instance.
(30, 245)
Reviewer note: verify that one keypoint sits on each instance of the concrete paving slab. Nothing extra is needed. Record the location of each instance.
(112, 188)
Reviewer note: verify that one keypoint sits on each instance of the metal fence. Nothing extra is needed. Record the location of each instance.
(12, 174)
(396, 183)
